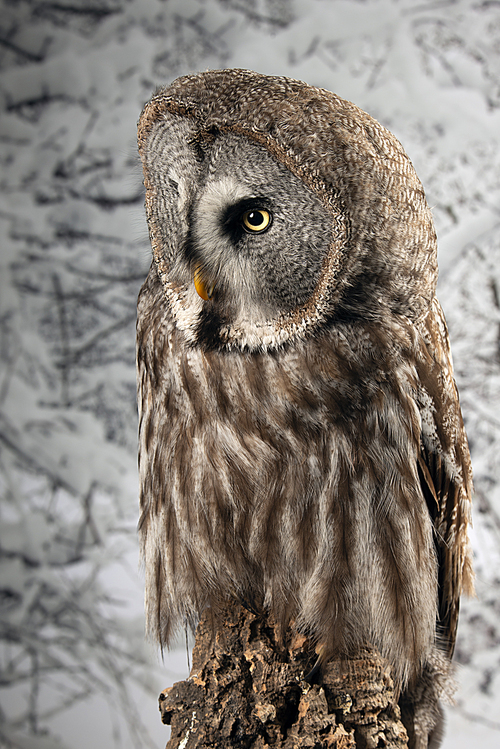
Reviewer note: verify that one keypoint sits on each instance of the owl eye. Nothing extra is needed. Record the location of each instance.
(256, 220)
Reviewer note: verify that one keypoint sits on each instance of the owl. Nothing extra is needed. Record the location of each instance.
(302, 448)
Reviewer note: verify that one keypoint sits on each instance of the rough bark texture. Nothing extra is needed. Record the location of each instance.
(248, 690)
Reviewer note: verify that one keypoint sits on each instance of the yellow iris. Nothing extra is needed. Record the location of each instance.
(256, 220)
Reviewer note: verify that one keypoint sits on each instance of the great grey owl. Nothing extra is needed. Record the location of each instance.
(301, 441)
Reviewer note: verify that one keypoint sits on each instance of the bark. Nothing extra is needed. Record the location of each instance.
(247, 689)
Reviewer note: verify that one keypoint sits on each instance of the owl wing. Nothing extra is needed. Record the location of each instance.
(445, 472)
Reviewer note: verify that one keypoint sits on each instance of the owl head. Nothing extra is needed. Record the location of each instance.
(276, 208)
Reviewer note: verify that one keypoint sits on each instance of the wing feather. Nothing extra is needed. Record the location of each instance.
(445, 472)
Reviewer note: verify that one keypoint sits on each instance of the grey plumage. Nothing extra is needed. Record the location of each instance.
(301, 442)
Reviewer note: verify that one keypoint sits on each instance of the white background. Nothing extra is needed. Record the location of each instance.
(74, 668)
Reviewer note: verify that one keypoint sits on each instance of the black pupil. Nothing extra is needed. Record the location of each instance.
(255, 218)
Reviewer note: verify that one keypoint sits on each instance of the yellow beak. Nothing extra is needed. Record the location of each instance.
(203, 289)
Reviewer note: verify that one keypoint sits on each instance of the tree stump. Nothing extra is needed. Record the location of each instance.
(249, 690)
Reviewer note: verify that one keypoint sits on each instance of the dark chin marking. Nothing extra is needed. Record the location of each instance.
(208, 329)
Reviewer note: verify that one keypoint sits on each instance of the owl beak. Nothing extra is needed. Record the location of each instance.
(202, 286)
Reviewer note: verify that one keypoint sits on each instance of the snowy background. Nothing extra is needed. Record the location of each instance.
(74, 668)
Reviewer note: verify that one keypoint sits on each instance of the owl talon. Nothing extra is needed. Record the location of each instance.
(314, 670)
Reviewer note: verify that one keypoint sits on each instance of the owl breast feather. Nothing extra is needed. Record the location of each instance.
(288, 481)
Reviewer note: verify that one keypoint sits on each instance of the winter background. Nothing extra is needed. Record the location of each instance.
(75, 670)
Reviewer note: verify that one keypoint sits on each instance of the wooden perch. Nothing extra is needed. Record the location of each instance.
(248, 691)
